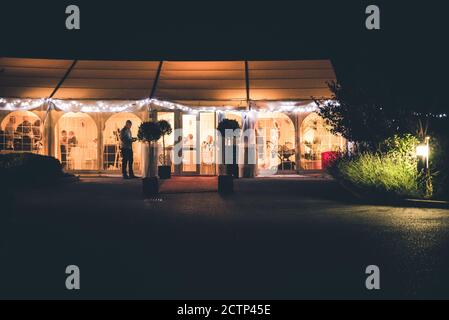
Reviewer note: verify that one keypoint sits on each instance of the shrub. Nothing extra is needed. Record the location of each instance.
(149, 131)
(391, 172)
(402, 149)
(227, 124)
(166, 130)
(382, 174)
(439, 165)
(23, 169)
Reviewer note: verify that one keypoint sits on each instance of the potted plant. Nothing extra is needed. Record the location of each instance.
(228, 171)
(164, 169)
(150, 132)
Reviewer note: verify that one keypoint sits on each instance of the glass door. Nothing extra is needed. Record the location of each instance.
(208, 143)
(168, 157)
(189, 144)
(198, 143)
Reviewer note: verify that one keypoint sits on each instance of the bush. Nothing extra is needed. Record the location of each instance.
(382, 174)
(149, 131)
(227, 124)
(439, 165)
(391, 172)
(23, 169)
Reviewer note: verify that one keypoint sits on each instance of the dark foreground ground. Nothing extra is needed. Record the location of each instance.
(275, 238)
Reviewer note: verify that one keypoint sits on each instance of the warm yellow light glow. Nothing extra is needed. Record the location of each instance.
(422, 150)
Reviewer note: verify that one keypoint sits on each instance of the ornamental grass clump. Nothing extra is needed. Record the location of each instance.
(383, 174)
(391, 172)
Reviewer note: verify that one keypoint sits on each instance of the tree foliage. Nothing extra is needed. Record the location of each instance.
(166, 129)
(149, 131)
(227, 124)
(364, 118)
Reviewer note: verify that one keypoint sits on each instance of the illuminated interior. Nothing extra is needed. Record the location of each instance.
(199, 142)
(191, 95)
(208, 143)
(112, 160)
(275, 140)
(189, 143)
(22, 131)
(77, 142)
(316, 138)
(169, 140)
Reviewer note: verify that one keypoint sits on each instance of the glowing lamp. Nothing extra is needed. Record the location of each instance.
(422, 150)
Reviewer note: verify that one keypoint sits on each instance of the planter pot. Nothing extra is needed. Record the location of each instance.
(149, 159)
(150, 186)
(233, 170)
(248, 171)
(145, 159)
(225, 184)
(164, 172)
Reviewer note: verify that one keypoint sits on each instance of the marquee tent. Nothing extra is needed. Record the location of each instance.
(192, 83)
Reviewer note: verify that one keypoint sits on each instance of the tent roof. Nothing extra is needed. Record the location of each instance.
(187, 82)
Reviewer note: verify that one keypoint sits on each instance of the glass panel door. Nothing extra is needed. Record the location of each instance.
(275, 136)
(207, 138)
(189, 144)
(169, 141)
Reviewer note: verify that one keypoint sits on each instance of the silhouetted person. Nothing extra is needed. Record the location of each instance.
(63, 144)
(9, 133)
(72, 141)
(126, 146)
(24, 131)
(25, 127)
(37, 135)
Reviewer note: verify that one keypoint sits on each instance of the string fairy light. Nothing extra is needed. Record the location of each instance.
(12, 104)
(21, 104)
(133, 105)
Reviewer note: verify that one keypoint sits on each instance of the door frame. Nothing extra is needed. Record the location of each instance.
(198, 143)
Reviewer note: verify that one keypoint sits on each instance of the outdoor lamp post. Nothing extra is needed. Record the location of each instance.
(422, 150)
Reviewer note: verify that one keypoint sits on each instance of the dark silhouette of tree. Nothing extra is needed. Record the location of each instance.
(365, 118)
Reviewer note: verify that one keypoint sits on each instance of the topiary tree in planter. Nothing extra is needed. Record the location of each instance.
(228, 170)
(164, 169)
(150, 132)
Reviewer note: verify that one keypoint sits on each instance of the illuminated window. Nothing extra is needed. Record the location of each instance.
(169, 140)
(189, 143)
(208, 142)
(275, 140)
(77, 143)
(21, 131)
(316, 138)
(112, 160)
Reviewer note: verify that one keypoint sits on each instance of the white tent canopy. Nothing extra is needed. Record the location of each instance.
(191, 83)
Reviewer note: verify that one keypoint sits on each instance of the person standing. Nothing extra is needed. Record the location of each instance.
(126, 146)
(9, 133)
(63, 148)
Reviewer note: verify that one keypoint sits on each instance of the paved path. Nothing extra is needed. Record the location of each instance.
(274, 238)
(189, 185)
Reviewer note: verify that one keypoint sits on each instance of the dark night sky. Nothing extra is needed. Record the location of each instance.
(408, 55)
